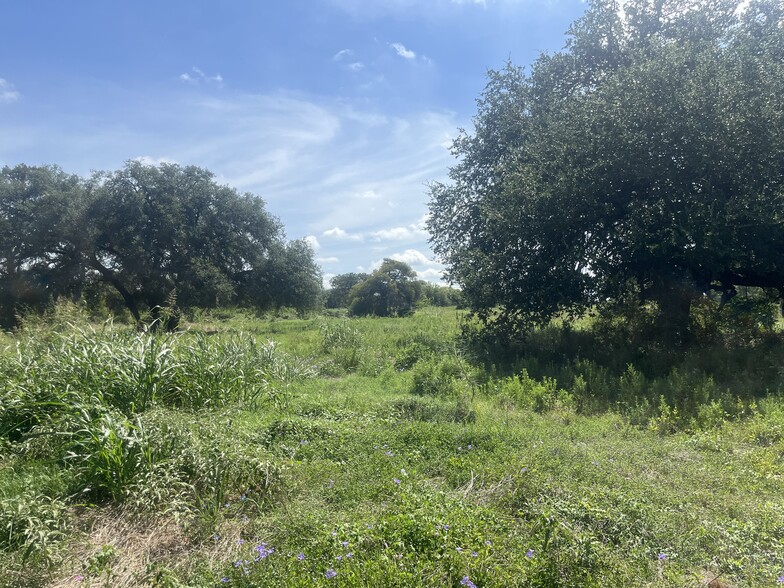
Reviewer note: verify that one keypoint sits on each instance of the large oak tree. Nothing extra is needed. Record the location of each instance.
(645, 159)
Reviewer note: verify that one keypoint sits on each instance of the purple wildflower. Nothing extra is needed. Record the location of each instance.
(474, 554)
(79, 578)
(529, 553)
(396, 481)
(330, 573)
(488, 543)
(389, 453)
(301, 556)
(344, 543)
(224, 579)
(662, 557)
(780, 579)
(240, 541)
(349, 555)
(467, 582)
(263, 551)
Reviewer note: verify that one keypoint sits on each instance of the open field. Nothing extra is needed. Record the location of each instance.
(377, 452)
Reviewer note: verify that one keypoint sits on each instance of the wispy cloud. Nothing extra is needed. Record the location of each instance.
(401, 50)
(356, 66)
(7, 92)
(342, 53)
(327, 260)
(196, 76)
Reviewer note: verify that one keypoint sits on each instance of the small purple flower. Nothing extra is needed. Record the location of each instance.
(301, 556)
(240, 541)
(474, 554)
(227, 505)
(445, 527)
(529, 554)
(662, 557)
(303, 442)
(340, 558)
(79, 578)
(488, 543)
(460, 550)
(330, 573)
(396, 481)
(215, 537)
(780, 579)
(389, 453)
(224, 579)
(466, 581)
(263, 551)
(522, 471)
(470, 447)
(349, 555)
(344, 543)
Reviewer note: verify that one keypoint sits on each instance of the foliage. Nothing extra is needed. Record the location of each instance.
(391, 290)
(643, 162)
(155, 235)
(340, 288)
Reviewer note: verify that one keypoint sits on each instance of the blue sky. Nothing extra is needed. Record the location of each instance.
(336, 112)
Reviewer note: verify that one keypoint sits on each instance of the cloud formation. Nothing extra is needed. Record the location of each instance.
(7, 92)
(196, 76)
(401, 50)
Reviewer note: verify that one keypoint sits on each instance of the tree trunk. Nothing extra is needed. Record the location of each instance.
(108, 275)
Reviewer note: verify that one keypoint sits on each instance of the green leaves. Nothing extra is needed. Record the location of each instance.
(644, 158)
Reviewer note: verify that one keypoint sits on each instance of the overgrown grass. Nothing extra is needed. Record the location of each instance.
(381, 452)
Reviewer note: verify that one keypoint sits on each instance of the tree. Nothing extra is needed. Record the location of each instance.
(340, 288)
(39, 208)
(289, 277)
(391, 290)
(645, 160)
(154, 234)
(151, 231)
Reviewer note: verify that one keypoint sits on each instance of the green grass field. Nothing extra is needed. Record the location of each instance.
(376, 452)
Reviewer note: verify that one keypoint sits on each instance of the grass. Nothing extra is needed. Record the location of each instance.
(376, 452)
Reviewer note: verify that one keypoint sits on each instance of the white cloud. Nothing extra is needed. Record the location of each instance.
(401, 50)
(338, 233)
(154, 161)
(431, 275)
(356, 66)
(342, 53)
(412, 257)
(7, 92)
(196, 76)
(328, 260)
(313, 242)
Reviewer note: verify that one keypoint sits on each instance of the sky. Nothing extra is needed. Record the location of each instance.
(337, 113)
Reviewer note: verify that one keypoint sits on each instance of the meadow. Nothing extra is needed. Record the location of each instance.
(327, 451)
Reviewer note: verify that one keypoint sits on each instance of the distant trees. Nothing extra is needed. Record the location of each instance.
(340, 288)
(147, 232)
(645, 162)
(391, 290)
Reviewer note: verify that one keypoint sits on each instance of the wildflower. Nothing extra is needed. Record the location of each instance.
(227, 505)
(470, 447)
(263, 551)
(662, 557)
(488, 543)
(522, 471)
(467, 582)
(389, 453)
(780, 579)
(243, 497)
(474, 554)
(349, 555)
(330, 573)
(301, 556)
(303, 442)
(396, 481)
(224, 579)
(79, 578)
(445, 527)
(240, 541)
(215, 537)
(344, 543)
(340, 558)
(460, 550)
(529, 553)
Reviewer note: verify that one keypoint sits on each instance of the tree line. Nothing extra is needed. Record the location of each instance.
(144, 236)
